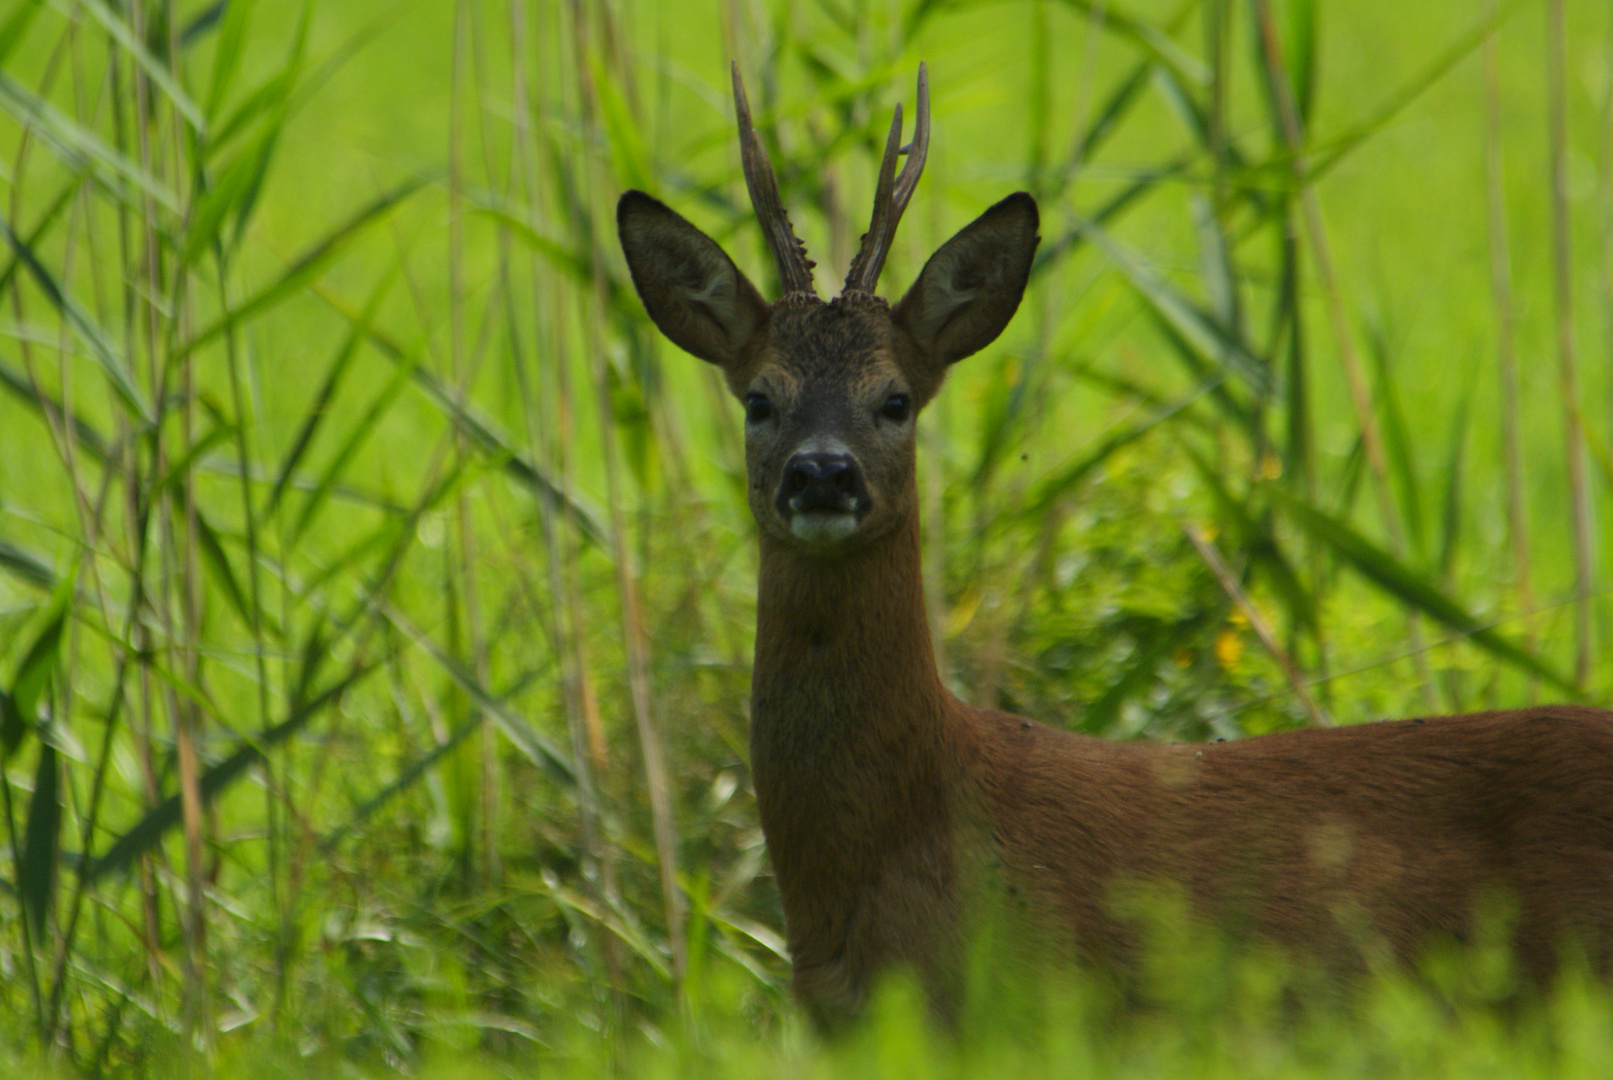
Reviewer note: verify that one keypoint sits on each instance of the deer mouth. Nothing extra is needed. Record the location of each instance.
(822, 498)
(820, 527)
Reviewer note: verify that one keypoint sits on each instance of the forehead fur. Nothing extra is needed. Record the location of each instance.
(830, 341)
(843, 342)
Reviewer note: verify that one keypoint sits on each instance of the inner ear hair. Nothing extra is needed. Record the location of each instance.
(691, 288)
(971, 287)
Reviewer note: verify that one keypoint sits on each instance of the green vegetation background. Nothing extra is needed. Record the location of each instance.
(376, 587)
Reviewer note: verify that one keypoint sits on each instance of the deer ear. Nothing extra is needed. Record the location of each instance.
(689, 285)
(969, 289)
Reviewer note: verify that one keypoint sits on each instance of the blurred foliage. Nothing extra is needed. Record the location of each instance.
(376, 588)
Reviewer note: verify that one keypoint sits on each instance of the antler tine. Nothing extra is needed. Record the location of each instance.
(794, 268)
(918, 149)
(892, 193)
(875, 242)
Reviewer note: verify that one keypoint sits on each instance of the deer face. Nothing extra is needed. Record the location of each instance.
(829, 421)
(831, 390)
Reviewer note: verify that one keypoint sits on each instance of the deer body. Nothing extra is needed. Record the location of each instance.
(893, 811)
(881, 794)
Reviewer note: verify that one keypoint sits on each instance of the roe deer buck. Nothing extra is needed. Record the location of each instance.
(886, 801)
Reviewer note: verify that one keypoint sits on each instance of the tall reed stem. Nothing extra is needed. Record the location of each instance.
(633, 629)
(1321, 254)
(1567, 372)
(1505, 317)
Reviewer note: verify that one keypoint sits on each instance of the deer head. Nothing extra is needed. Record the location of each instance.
(831, 390)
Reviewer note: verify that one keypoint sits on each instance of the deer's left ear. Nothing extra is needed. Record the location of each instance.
(971, 287)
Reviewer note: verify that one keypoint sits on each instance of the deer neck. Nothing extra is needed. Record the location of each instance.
(847, 708)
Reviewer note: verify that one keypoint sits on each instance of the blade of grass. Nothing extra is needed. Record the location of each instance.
(1065, 482)
(47, 219)
(218, 565)
(1257, 623)
(228, 50)
(151, 828)
(416, 769)
(26, 567)
(1412, 588)
(1151, 39)
(37, 666)
(80, 150)
(1397, 441)
(1506, 319)
(357, 435)
(1567, 365)
(1327, 155)
(100, 346)
(1451, 522)
(358, 331)
(1201, 330)
(1299, 445)
(153, 68)
(15, 28)
(1301, 50)
(303, 271)
(1254, 530)
(1216, 268)
(233, 189)
(41, 848)
(89, 439)
(539, 750)
(1049, 254)
(479, 429)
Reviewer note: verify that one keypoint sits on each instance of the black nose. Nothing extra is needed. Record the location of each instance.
(822, 483)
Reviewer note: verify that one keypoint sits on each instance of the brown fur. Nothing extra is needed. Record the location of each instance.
(889, 805)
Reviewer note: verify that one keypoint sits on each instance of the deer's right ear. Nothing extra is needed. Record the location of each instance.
(689, 285)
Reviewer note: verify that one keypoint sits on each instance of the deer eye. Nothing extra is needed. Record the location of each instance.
(757, 408)
(896, 407)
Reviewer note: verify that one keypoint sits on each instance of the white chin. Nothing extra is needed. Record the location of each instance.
(823, 528)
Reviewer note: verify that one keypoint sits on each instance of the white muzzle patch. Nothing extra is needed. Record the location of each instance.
(822, 528)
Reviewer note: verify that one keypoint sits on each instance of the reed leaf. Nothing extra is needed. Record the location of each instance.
(1151, 39)
(154, 69)
(41, 851)
(479, 429)
(218, 565)
(357, 434)
(1455, 468)
(47, 219)
(1397, 441)
(1215, 343)
(358, 331)
(151, 828)
(555, 762)
(82, 151)
(629, 156)
(34, 671)
(1253, 527)
(1300, 49)
(15, 28)
(1067, 480)
(100, 345)
(233, 17)
(1328, 153)
(1413, 589)
(296, 277)
(27, 567)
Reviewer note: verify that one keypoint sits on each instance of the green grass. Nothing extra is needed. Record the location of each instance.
(334, 445)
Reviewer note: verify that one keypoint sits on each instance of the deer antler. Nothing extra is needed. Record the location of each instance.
(892, 193)
(794, 268)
